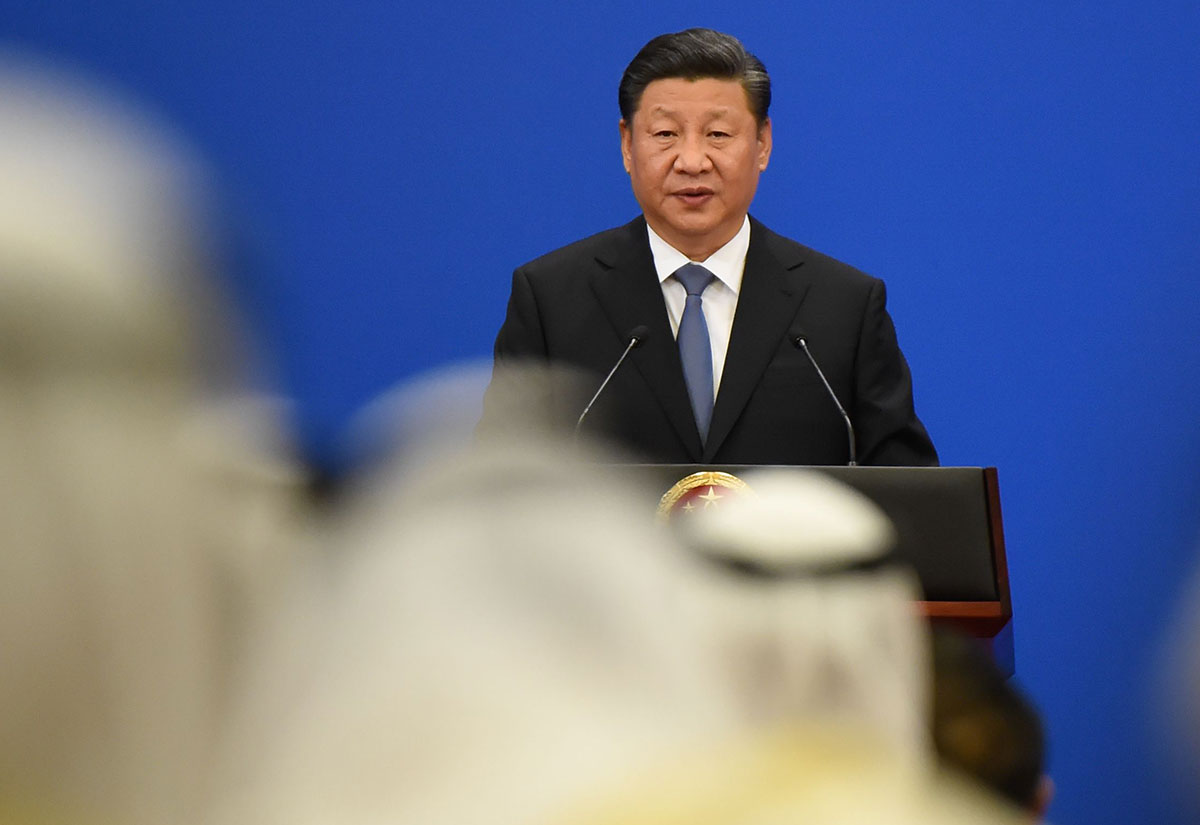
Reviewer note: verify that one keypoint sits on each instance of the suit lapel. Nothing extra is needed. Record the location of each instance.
(772, 289)
(630, 295)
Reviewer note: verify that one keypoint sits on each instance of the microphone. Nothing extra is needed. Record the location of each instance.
(800, 341)
(636, 337)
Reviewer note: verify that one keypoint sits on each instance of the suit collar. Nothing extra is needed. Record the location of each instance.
(627, 288)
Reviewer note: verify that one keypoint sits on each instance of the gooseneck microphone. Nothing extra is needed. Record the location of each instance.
(800, 341)
(636, 337)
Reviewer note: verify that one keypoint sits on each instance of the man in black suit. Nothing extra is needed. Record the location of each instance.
(735, 388)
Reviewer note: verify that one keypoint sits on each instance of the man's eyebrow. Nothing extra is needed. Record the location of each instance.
(660, 109)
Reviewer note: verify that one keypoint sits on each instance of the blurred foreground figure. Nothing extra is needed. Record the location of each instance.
(814, 626)
(143, 509)
(502, 635)
(492, 640)
(984, 726)
(812, 618)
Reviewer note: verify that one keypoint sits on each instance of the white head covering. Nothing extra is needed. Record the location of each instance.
(496, 638)
(808, 620)
(133, 523)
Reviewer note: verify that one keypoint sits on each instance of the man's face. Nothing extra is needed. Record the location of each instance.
(693, 151)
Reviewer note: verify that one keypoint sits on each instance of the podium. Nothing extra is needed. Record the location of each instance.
(949, 530)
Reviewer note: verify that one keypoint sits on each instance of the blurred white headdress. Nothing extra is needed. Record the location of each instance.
(131, 520)
(807, 612)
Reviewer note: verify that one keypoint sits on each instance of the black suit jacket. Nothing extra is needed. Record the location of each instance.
(577, 305)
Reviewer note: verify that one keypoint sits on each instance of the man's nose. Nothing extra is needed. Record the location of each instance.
(693, 157)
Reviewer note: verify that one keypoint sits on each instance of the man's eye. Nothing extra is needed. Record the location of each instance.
(664, 133)
(718, 134)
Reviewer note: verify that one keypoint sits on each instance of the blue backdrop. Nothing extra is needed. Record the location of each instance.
(1024, 176)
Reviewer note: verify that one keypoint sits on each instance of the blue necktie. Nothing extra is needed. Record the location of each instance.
(694, 347)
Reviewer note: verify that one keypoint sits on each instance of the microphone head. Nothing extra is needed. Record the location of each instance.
(798, 338)
(637, 336)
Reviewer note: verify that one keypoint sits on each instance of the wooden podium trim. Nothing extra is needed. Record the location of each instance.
(984, 620)
(981, 619)
(991, 485)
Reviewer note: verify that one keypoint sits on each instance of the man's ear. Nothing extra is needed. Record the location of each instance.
(764, 144)
(626, 144)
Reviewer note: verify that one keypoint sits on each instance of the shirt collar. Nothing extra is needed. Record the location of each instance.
(727, 263)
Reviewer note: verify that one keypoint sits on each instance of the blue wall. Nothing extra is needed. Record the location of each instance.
(1025, 176)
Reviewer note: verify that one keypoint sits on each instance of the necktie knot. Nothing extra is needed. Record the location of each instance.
(695, 278)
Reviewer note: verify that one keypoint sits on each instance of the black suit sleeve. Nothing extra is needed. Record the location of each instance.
(527, 392)
(521, 337)
(519, 347)
(886, 425)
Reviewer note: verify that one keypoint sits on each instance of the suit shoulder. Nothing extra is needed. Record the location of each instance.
(602, 245)
(793, 254)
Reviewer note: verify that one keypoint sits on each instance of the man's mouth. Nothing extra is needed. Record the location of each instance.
(693, 196)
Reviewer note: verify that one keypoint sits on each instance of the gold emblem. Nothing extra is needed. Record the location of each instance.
(700, 491)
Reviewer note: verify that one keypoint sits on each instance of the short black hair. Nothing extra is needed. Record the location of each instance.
(694, 54)
(983, 724)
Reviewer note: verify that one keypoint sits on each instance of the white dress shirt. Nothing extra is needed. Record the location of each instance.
(720, 298)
